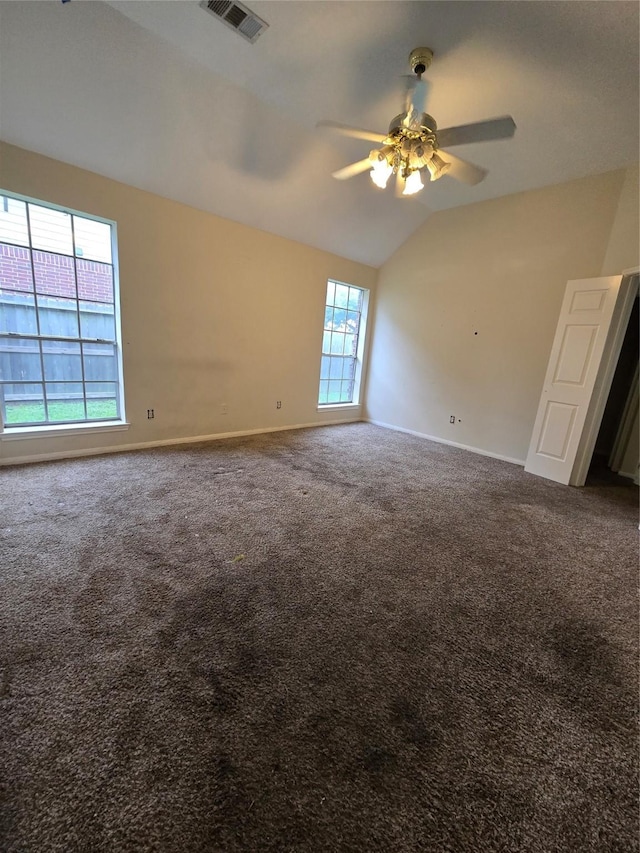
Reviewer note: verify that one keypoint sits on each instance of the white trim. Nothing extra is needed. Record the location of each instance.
(439, 440)
(630, 475)
(330, 407)
(61, 430)
(142, 445)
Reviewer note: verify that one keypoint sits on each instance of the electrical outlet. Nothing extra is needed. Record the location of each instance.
(278, 404)
(224, 408)
(452, 419)
(150, 414)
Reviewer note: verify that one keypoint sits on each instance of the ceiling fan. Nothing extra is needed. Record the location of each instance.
(413, 143)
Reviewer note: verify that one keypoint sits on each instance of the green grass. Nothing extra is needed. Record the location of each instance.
(60, 410)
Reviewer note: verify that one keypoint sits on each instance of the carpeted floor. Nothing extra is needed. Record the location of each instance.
(338, 639)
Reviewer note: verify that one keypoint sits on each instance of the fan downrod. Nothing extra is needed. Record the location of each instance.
(420, 59)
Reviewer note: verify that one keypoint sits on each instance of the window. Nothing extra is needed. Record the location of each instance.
(341, 344)
(59, 324)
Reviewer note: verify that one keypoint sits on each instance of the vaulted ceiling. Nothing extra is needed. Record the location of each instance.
(163, 96)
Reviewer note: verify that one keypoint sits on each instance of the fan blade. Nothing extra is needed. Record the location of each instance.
(468, 173)
(482, 131)
(399, 185)
(352, 169)
(354, 132)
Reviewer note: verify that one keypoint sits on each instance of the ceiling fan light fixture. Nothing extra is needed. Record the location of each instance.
(437, 167)
(413, 184)
(421, 154)
(381, 155)
(381, 169)
(380, 176)
(411, 144)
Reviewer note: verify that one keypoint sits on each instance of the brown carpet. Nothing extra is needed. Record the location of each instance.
(338, 639)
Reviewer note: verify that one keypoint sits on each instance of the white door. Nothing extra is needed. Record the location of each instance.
(585, 319)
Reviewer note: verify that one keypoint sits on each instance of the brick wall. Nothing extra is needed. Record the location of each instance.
(54, 275)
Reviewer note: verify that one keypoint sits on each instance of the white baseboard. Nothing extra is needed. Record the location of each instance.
(439, 440)
(144, 445)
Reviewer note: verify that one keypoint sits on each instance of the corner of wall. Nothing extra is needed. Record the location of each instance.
(623, 246)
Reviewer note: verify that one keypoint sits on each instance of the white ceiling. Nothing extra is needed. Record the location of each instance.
(164, 97)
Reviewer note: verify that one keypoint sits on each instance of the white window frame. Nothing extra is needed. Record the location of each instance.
(360, 350)
(9, 432)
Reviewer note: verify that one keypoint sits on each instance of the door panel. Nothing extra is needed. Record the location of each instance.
(576, 352)
(557, 428)
(585, 319)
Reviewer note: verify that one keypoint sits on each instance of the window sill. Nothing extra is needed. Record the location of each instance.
(61, 430)
(330, 407)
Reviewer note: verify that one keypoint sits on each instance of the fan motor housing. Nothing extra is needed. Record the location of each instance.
(427, 125)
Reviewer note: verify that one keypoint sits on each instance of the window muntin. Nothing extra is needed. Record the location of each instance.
(59, 349)
(340, 339)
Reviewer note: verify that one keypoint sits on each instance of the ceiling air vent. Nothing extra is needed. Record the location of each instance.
(236, 16)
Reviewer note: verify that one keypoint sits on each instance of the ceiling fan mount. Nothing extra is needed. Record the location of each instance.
(420, 59)
(413, 143)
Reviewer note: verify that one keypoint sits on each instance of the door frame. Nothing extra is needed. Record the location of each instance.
(629, 414)
(608, 363)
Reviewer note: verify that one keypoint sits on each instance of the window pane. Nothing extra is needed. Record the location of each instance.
(100, 363)
(15, 267)
(324, 385)
(93, 239)
(350, 344)
(64, 391)
(22, 404)
(18, 313)
(347, 391)
(97, 321)
(342, 295)
(328, 318)
(95, 281)
(50, 229)
(337, 343)
(102, 400)
(324, 367)
(331, 289)
(54, 274)
(339, 317)
(352, 322)
(58, 317)
(19, 360)
(326, 342)
(62, 361)
(65, 401)
(355, 298)
(336, 368)
(13, 221)
(333, 395)
(349, 369)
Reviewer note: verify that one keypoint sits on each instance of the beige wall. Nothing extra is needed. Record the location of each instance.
(212, 312)
(623, 250)
(467, 309)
